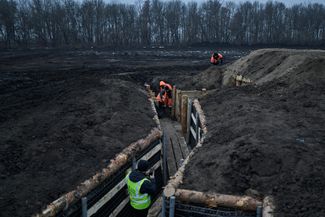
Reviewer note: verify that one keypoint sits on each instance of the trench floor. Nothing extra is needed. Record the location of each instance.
(177, 150)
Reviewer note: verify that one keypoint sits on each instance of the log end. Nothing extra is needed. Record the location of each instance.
(169, 191)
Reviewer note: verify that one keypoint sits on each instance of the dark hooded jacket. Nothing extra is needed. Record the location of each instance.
(148, 187)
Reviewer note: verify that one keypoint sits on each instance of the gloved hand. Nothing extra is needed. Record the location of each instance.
(151, 174)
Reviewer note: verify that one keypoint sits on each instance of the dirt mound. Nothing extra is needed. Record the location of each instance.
(270, 136)
(57, 131)
(267, 64)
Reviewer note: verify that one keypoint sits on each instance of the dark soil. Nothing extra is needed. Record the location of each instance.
(269, 137)
(65, 114)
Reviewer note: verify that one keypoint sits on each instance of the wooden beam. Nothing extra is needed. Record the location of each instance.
(193, 133)
(215, 200)
(178, 100)
(199, 110)
(120, 207)
(184, 114)
(193, 119)
(173, 112)
(109, 195)
(189, 112)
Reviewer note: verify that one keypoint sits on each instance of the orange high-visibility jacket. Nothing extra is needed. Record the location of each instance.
(214, 59)
(162, 96)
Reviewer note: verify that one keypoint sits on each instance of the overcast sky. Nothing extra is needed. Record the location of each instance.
(287, 2)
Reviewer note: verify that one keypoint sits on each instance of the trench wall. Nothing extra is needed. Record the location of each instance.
(185, 202)
(105, 194)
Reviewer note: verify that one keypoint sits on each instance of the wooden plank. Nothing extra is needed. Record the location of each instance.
(168, 130)
(152, 152)
(193, 132)
(120, 207)
(184, 114)
(179, 155)
(106, 198)
(189, 112)
(184, 147)
(199, 134)
(180, 139)
(175, 158)
(178, 104)
(193, 118)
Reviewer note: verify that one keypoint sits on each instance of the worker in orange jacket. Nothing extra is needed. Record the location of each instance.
(164, 96)
(216, 58)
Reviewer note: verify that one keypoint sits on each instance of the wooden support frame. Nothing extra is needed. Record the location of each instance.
(109, 195)
(120, 159)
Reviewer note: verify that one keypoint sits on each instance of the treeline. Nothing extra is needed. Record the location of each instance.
(72, 23)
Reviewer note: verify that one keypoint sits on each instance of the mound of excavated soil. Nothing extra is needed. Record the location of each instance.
(58, 129)
(269, 137)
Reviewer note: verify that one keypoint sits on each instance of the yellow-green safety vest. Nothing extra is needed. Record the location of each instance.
(138, 201)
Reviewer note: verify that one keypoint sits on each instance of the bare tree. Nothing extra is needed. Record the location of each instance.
(93, 22)
(8, 10)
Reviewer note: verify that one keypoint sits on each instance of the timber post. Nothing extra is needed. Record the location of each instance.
(184, 114)
(189, 112)
(84, 206)
(172, 206)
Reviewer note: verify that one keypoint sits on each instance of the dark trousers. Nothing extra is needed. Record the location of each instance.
(138, 213)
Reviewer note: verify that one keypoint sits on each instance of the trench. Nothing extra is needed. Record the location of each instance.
(168, 148)
(186, 123)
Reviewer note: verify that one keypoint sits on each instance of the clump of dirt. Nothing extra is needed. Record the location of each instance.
(269, 136)
(59, 129)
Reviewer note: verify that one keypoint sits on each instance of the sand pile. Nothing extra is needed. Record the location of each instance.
(270, 136)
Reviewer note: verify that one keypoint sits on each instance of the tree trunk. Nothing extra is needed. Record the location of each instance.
(215, 200)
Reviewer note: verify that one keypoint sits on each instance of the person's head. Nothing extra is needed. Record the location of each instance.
(162, 83)
(143, 165)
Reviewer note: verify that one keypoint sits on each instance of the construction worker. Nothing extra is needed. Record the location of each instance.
(216, 58)
(140, 188)
(164, 96)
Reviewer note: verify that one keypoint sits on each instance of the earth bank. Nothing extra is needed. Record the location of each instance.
(268, 136)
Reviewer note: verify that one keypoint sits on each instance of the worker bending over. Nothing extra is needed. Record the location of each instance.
(164, 97)
(140, 188)
(216, 58)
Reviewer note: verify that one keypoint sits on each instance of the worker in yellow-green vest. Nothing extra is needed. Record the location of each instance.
(141, 187)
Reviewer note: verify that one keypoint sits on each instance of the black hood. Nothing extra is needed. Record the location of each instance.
(136, 176)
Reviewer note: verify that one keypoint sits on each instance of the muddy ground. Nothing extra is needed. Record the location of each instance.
(269, 136)
(65, 114)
